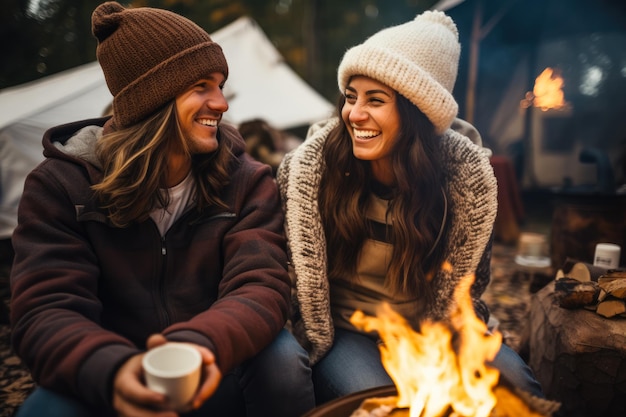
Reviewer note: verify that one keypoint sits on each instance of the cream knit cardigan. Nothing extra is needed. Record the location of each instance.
(472, 189)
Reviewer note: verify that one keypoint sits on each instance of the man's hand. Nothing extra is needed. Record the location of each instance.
(131, 398)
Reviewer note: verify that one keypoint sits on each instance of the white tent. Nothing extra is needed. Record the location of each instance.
(27, 111)
(260, 85)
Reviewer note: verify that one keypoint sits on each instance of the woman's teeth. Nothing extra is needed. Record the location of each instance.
(365, 133)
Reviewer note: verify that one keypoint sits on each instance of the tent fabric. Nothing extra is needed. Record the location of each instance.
(27, 111)
(260, 86)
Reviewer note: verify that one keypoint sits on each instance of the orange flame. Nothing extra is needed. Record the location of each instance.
(441, 367)
(548, 90)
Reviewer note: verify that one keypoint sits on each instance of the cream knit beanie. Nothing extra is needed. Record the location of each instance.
(419, 59)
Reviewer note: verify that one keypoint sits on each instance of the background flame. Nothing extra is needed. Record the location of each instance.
(548, 90)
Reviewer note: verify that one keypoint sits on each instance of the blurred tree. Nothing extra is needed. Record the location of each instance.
(42, 37)
(48, 36)
(340, 25)
(19, 32)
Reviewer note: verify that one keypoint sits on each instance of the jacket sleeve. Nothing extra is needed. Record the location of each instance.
(472, 189)
(55, 310)
(254, 293)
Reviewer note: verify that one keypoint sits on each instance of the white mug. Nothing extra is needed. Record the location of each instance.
(607, 255)
(173, 369)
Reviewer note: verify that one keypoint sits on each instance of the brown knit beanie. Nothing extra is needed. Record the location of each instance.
(149, 56)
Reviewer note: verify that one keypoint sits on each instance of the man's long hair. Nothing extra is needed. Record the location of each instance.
(134, 162)
(417, 206)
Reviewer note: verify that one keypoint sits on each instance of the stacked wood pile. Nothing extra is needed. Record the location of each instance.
(580, 285)
(577, 341)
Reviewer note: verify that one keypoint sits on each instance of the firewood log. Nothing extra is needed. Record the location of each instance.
(615, 287)
(572, 293)
(581, 271)
(611, 307)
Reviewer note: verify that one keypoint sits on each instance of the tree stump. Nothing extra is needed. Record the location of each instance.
(578, 356)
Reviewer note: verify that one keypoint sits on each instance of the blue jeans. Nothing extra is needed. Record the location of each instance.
(276, 382)
(353, 364)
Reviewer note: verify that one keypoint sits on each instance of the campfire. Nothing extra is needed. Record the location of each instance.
(442, 370)
(547, 92)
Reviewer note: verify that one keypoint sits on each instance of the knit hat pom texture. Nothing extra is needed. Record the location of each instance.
(149, 56)
(419, 59)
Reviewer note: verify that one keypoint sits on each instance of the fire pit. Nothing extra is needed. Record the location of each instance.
(439, 370)
(352, 405)
(345, 406)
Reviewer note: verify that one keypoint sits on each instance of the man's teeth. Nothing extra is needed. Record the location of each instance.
(208, 122)
(365, 133)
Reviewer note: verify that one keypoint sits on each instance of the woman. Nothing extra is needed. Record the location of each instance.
(377, 199)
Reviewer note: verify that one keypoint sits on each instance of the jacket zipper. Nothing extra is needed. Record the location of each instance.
(161, 286)
(162, 295)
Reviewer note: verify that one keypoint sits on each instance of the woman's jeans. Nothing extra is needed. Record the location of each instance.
(276, 382)
(353, 364)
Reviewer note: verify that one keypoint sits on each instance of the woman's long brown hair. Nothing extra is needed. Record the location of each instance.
(417, 206)
(134, 163)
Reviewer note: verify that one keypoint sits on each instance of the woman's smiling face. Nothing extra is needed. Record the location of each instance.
(371, 116)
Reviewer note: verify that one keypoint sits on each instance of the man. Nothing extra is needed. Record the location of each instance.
(150, 226)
